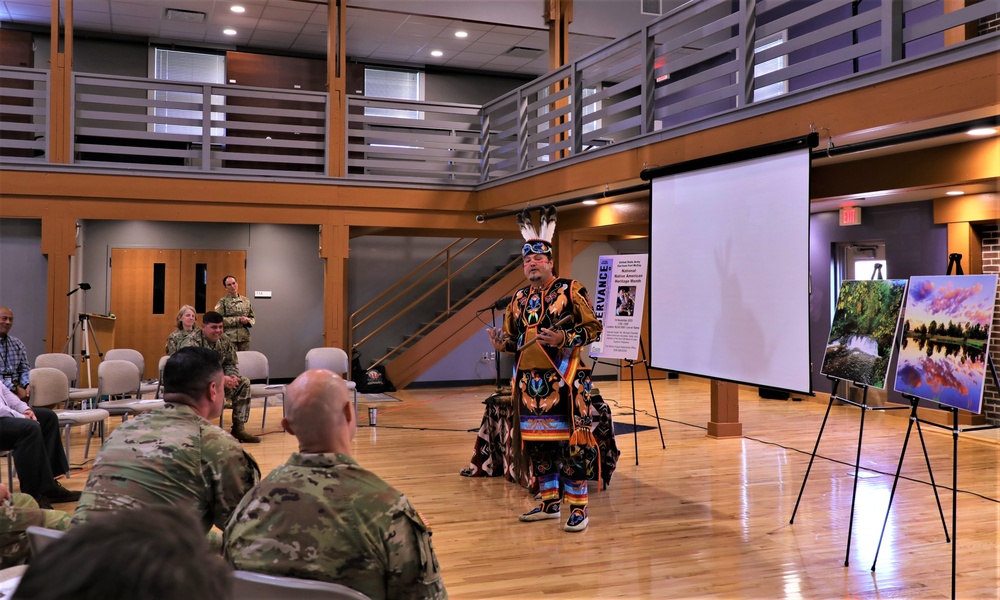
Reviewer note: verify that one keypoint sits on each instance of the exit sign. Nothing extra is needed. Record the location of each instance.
(850, 215)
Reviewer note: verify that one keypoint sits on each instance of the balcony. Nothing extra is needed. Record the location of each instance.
(703, 65)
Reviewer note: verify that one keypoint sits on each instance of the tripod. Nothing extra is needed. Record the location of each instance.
(83, 324)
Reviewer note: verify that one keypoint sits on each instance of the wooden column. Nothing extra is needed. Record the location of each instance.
(60, 78)
(334, 248)
(336, 64)
(58, 245)
(725, 417)
(558, 16)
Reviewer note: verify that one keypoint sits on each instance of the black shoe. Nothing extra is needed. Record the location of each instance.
(43, 502)
(58, 494)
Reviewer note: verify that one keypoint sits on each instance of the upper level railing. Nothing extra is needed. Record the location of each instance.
(707, 58)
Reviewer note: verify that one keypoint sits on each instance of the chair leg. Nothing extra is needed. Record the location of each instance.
(68, 429)
(264, 418)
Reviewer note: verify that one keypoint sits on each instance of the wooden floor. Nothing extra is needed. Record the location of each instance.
(702, 518)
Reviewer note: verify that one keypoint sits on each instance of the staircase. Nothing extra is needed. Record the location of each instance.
(433, 309)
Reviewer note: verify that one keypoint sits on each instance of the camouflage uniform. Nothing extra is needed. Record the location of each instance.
(322, 516)
(175, 341)
(232, 308)
(169, 456)
(15, 518)
(239, 396)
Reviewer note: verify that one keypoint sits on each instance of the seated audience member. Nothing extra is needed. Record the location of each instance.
(33, 435)
(237, 387)
(174, 455)
(17, 513)
(155, 552)
(14, 367)
(321, 516)
(186, 319)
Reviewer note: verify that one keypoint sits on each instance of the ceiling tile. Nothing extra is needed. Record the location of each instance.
(133, 9)
(279, 26)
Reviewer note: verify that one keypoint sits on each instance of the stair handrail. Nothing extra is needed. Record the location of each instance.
(492, 279)
(445, 263)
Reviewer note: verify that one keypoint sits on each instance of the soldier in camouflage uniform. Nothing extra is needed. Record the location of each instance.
(17, 513)
(321, 516)
(174, 455)
(186, 320)
(237, 314)
(237, 386)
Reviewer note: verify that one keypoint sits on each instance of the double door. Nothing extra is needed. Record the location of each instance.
(149, 285)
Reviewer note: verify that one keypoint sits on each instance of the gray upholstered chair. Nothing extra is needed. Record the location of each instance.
(254, 366)
(49, 388)
(68, 365)
(40, 538)
(333, 359)
(119, 380)
(257, 586)
(135, 357)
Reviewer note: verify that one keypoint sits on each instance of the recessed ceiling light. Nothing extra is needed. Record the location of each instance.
(229, 31)
(237, 9)
(437, 53)
(590, 202)
(982, 131)
(954, 193)
(461, 34)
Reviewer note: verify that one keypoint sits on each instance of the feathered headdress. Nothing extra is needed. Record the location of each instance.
(537, 241)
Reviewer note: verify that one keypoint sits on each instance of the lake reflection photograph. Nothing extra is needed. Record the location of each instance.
(864, 331)
(946, 333)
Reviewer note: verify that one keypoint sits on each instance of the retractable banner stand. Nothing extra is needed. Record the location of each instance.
(618, 303)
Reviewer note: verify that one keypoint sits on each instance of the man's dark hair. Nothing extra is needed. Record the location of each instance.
(153, 552)
(212, 317)
(225, 278)
(189, 371)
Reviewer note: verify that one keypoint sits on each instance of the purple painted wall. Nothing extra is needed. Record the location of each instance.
(914, 245)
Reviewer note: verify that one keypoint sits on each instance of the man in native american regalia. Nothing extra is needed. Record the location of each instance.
(546, 325)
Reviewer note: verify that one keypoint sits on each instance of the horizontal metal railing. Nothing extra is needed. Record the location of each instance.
(705, 59)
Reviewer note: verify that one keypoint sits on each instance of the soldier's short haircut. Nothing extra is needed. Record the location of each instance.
(189, 371)
(225, 278)
(152, 552)
(212, 317)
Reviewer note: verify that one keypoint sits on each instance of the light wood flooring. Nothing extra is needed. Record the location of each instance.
(703, 518)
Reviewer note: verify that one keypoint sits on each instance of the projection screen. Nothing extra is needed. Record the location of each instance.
(729, 266)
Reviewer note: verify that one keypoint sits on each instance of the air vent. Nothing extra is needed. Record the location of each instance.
(522, 52)
(185, 16)
(651, 7)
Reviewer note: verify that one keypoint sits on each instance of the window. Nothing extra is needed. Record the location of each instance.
(176, 65)
(399, 85)
(769, 66)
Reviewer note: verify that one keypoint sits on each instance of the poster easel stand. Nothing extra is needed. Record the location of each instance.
(909, 428)
(954, 262)
(863, 405)
(631, 367)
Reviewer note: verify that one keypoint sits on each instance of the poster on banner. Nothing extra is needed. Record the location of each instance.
(618, 304)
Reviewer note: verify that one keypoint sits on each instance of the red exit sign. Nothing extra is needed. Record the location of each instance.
(850, 215)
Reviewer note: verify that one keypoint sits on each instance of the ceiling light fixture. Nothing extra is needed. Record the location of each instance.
(437, 53)
(237, 9)
(229, 31)
(954, 193)
(461, 34)
(590, 202)
(982, 131)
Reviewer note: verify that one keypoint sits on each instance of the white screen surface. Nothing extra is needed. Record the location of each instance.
(729, 272)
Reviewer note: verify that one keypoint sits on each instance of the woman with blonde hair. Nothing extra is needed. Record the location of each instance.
(186, 318)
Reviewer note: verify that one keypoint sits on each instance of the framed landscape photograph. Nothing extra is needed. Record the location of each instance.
(863, 332)
(946, 335)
